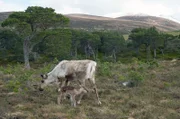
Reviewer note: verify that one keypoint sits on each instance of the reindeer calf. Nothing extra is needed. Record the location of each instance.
(72, 92)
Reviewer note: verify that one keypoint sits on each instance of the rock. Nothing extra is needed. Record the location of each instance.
(174, 60)
(128, 84)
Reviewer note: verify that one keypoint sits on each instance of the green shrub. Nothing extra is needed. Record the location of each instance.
(153, 64)
(104, 69)
(136, 77)
(167, 84)
(13, 85)
(170, 56)
(121, 78)
(17, 78)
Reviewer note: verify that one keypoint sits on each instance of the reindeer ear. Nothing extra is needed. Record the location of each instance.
(44, 76)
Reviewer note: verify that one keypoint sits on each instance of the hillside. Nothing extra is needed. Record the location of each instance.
(159, 22)
(123, 24)
(4, 15)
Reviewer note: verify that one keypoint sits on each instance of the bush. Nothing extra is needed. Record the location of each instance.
(13, 85)
(153, 64)
(104, 69)
(135, 77)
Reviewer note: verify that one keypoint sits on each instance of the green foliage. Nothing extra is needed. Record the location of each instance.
(107, 46)
(20, 76)
(173, 46)
(13, 85)
(17, 79)
(29, 23)
(167, 84)
(122, 78)
(10, 46)
(104, 69)
(136, 76)
(35, 18)
(170, 56)
(153, 64)
(112, 41)
(154, 42)
(56, 45)
(89, 39)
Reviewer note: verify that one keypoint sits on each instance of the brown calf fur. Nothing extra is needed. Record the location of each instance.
(65, 88)
(72, 92)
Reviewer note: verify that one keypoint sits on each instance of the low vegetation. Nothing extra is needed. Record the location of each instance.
(154, 95)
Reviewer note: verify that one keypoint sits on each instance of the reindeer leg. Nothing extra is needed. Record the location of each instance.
(97, 96)
(67, 82)
(61, 93)
(92, 82)
(73, 101)
(81, 95)
(79, 101)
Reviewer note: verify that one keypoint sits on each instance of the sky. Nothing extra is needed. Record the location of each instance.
(109, 8)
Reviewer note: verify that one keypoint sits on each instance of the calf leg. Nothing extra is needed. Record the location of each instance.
(83, 85)
(84, 91)
(73, 100)
(67, 82)
(61, 94)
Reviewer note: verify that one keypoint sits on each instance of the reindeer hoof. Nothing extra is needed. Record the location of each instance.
(59, 90)
(78, 102)
(99, 103)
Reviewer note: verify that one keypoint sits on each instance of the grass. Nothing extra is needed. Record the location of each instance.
(155, 97)
(126, 36)
(174, 33)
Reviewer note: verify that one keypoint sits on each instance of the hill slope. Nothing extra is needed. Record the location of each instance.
(4, 15)
(123, 24)
(161, 23)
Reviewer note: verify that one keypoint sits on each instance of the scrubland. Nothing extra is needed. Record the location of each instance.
(154, 92)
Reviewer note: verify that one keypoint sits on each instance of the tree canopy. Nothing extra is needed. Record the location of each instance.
(29, 23)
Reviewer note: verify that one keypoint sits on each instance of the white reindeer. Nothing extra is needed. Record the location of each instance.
(65, 71)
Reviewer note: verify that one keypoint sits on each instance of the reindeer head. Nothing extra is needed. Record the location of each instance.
(46, 80)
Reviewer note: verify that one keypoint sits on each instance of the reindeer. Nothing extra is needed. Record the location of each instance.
(66, 71)
(73, 93)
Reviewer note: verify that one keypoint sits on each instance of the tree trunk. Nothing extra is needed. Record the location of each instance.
(114, 55)
(26, 53)
(74, 51)
(86, 52)
(162, 51)
(96, 53)
(148, 52)
(75, 54)
(137, 51)
(155, 53)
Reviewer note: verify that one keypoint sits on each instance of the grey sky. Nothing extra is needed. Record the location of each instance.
(111, 8)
